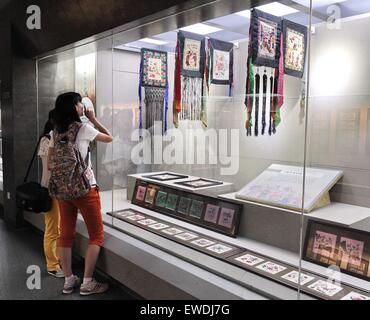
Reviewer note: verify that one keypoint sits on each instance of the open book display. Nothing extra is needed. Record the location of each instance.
(282, 186)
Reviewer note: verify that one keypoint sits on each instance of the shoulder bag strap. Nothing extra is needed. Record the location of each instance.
(33, 158)
(77, 130)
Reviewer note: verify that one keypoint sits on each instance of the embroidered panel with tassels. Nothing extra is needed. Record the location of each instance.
(189, 70)
(265, 74)
(154, 79)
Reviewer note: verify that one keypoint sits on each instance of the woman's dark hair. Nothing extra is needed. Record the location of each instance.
(65, 110)
(49, 125)
(51, 116)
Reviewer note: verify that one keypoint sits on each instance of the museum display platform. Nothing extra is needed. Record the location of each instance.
(135, 255)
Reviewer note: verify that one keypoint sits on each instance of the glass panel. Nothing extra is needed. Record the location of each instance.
(77, 70)
(337, 235)
(324, 125)
(221, 150)
(1, 161)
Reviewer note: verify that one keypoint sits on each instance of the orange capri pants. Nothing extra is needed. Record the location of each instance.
(90, 209)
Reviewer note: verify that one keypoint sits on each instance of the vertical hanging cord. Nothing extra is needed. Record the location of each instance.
(264, 103)
(249, 86)
(204, 113)
(177, 109)
(231, 73)
(257, 102)
(275, 98)
(271, 103)
(281, 74)
(166, 108)
(140, 100)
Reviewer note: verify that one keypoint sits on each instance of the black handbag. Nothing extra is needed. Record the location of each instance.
(31, 196)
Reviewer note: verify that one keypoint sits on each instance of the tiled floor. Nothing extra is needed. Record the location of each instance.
(22, 248)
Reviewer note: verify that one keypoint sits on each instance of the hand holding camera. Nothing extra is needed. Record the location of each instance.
(89, 113)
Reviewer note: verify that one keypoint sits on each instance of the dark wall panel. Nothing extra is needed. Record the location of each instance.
(68, 21)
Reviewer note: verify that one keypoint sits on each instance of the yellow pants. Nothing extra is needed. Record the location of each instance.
(51, 237)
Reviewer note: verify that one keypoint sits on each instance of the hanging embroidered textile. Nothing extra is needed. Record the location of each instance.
(153, 77)
(220, 62)
(265, 49)
(189, 70)
(295, 44)
(218, 69)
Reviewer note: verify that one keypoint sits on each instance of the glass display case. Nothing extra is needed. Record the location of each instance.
(243, 136)
(1, 159)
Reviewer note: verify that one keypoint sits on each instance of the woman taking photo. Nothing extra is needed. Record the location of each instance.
(71, 140)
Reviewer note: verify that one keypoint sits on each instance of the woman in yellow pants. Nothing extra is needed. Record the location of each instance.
(52, 217)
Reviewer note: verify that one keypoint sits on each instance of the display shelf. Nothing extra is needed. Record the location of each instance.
(351, 216)
(232, 197)
(338, 213)
(151, 272)
(230, 255)
(274, 252)
(249, 280)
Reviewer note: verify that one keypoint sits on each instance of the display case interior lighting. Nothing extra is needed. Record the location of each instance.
(332, 76)
(318, 3)
(154, 41)
(277, 9)
(201, 28)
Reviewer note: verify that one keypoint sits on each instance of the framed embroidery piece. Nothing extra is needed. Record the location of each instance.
(192, 54)
(147, 222)
(158, 226)
(202, 242)
(219, 248)
(221, 60)
(196, 209)
(211, 214)
(199, 183)
(186, 236)
(172, 231)
(226, 217)
(294, 275)
(140, 193)
(271, 267)
(136, 217)
(265, 37)
(154, 68)
(150, 195)
(325, 287)
(171, 202)
(165, 176)
(184, 205)
(355, 296)
(295, 44)
(161, 199)
(249, 259)
(123, 213)
(347, 248)
(324, 244)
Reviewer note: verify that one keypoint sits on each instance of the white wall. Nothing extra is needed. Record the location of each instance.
(339, 131)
